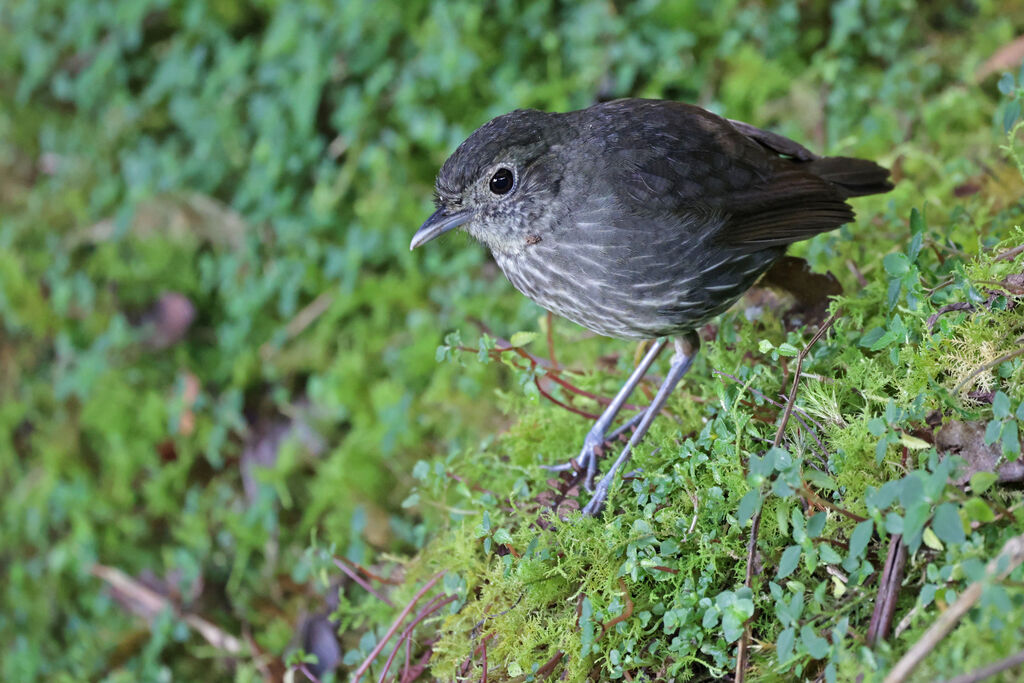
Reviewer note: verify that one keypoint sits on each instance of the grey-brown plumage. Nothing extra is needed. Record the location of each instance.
(636, 218)
(643, 218)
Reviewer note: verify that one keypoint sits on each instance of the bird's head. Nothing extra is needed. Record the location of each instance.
(499, 183)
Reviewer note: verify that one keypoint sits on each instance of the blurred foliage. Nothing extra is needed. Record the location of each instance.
(216, 346)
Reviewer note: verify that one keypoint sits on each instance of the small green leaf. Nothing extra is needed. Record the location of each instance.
(896, 264)
(977, 510)
(820, 479)
(871, 337)
(885, 495)
(420, 470)
(828, 554)
(817, 647)
(1001, 405)
(992, 431)
(981, 481)
(749, 504)
(784, 644)
(931, 540)
(788, 561)
(1011, 442)
(586, 626)
(1010, 115)
(732, 626)
(916, 221)
(860, 537)
(816, 525)
(1006, 84)
(914, 443)
(502, 536)
(787, 349)
(522, 338)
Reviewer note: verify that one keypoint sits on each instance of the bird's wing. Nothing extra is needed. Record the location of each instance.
(769, 190)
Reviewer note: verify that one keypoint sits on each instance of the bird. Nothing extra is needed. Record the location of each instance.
(639, 219)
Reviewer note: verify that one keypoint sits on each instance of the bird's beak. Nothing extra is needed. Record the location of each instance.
(439, 223)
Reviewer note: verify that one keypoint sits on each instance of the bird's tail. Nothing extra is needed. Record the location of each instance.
(853, 177)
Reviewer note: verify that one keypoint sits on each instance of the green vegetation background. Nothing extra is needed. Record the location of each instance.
(219, 360)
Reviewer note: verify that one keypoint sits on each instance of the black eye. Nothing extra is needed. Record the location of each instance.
(502, 181)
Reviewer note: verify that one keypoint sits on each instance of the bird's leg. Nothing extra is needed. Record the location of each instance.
(587, 459)
(686, 350)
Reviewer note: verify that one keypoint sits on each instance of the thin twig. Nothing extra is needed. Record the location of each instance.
(308, 674)
(571, 409)
(807, 492)
(432, 606)
(394, 626)
(997, 569)
(362, 582)
(554, 373)
(146, 602)
(741, 650)
(796, 374)
(367, 573)
(861, 280)
(800, 412)
(888, 591)
(1010, 254)
(626, 613)
(988, 366)
(990, 670)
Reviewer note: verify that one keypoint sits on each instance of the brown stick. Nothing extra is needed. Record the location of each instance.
(990, 670)
(741, 650)
(997, 569)
(626, 613)
(561, 404)
(888, 591)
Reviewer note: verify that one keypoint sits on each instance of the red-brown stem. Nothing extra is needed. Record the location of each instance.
(394, 626)
(741, 650)
(432, 606)
(362, 582)
(308, 674)
(818, 500)
(366, 572)
(571, 409)
(626, 613)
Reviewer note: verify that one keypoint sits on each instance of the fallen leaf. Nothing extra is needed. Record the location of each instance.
(1008, 56)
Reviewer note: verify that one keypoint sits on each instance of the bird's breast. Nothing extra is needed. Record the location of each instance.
(634, 290)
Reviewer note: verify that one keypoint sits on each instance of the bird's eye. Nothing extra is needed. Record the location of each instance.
(502, 181)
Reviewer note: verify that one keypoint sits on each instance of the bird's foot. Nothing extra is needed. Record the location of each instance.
(586, 461)
(594, 445)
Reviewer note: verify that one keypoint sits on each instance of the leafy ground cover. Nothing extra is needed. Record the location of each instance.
(230, 436)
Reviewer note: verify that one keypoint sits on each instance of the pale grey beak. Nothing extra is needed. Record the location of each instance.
(439, 223)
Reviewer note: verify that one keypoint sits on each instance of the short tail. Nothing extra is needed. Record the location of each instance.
(853, 177)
